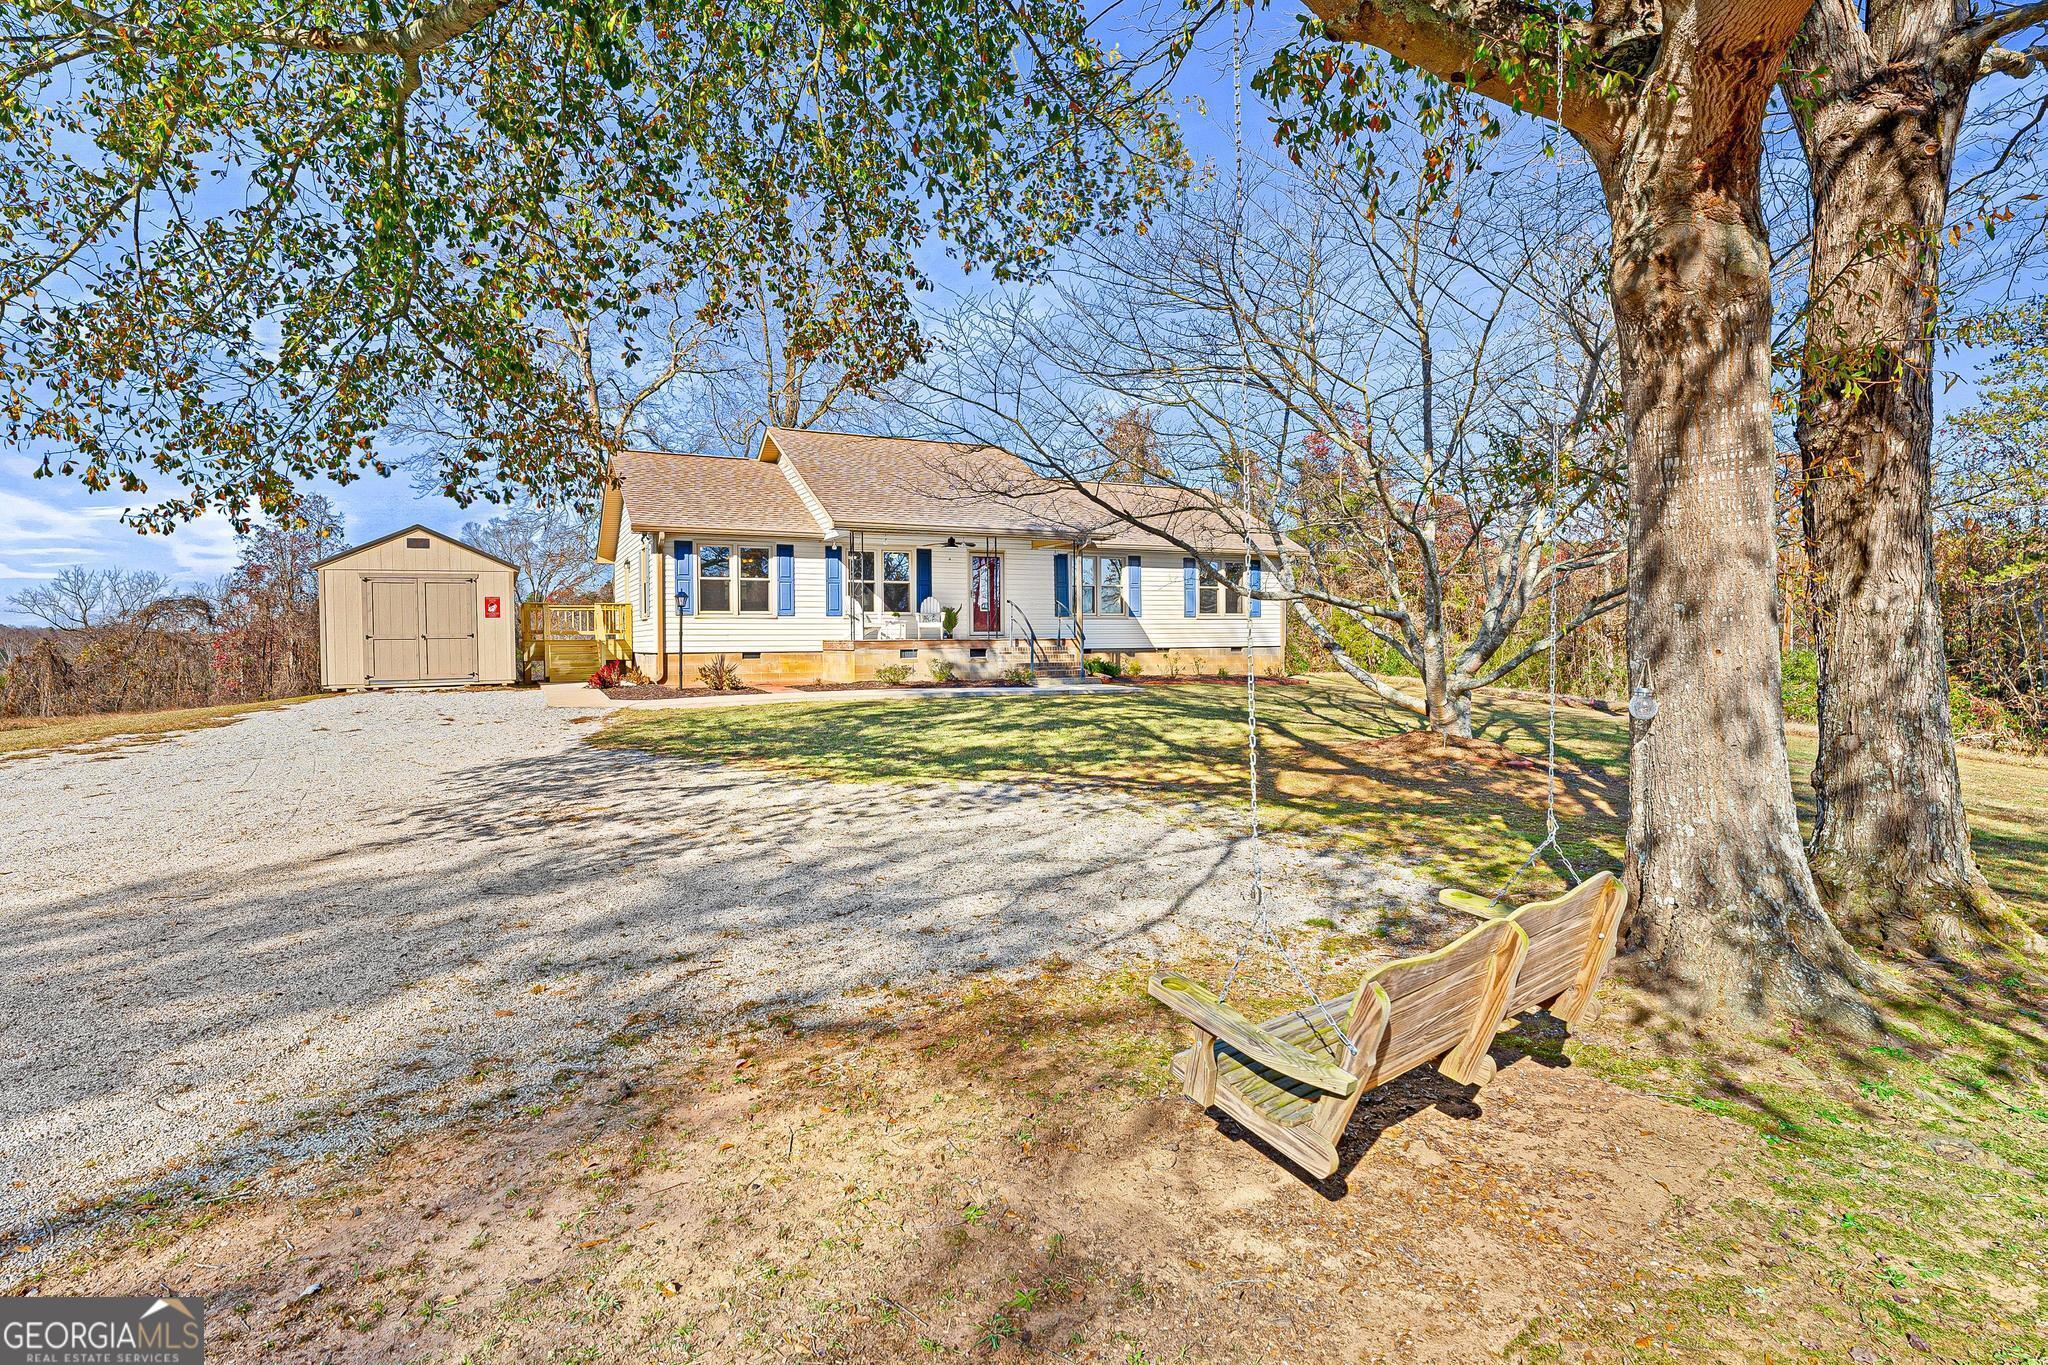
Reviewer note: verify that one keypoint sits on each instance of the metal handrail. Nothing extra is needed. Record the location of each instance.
(1030, 631)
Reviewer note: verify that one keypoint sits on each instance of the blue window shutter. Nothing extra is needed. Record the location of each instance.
(785, 580)
(1133, 587)
(924, 579)
(1191, 581)
(835, 581)
(1059, 586)
(686, 578)
(1257, 577)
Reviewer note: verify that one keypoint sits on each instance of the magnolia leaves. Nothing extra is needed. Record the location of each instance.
(238, 250)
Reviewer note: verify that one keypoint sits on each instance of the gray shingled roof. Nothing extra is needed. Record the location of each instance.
(887, 482)
(710, 492)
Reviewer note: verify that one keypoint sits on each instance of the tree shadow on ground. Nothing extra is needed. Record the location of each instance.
(999, 1166)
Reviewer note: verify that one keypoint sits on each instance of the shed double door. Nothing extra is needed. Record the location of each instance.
(421, 629)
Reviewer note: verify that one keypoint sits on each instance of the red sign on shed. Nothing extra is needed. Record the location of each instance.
(491, 609)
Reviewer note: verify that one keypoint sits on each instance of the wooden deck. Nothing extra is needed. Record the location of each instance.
(568, 643)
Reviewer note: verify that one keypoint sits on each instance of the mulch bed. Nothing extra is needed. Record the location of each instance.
(655, 692)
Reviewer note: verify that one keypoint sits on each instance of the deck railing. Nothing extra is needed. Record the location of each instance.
(570, 642)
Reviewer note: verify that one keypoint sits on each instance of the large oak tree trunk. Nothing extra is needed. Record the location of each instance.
(1725, 913)
(1891, 847)
(1724, 909)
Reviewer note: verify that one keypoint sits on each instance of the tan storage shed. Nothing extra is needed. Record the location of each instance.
(416, 609)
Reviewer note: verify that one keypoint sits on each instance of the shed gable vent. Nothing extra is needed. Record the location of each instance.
(418, 543)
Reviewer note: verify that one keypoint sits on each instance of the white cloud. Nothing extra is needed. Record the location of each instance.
(204, 547)
(27, 522)
(95, 536)
(39, 536)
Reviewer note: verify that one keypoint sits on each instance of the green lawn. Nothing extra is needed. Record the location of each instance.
(1899, 1214)
(1471, 824)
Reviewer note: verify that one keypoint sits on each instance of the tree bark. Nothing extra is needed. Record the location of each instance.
(1891, 846)
(1723, 905)
(1724, 912)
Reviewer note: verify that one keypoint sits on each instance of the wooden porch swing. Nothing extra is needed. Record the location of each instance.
(1295, 1080)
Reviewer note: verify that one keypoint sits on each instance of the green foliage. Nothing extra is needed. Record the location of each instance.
(1343, 95)
(1104, 666)
(1019, 675)
(1992, 554)
(894, 675)
(722, 675)
(944, 670)
(1802, 685)
(236, 248)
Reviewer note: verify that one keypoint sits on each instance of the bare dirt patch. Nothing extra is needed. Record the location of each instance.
(999, 1171)
(1480, 769)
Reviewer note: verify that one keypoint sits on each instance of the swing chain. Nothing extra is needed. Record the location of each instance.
(1262, 920)
(1551, 831)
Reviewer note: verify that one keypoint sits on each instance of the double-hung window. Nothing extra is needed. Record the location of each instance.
(714, 578)
(1102, 585)
(729, 575)
(881, 579)
(1225, 598)
(861, 573)
(756, 563)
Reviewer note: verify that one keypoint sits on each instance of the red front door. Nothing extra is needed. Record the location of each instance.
(988, 594)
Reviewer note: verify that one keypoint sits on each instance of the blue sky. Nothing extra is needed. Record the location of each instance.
(49, 524)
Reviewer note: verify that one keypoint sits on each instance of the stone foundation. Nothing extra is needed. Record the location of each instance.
(972, 660)
(766, 666)
(1190, 662)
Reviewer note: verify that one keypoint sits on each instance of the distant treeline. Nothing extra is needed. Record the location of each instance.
(115, 640)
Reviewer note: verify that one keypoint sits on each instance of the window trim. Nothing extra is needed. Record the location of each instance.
(1092, 559)
(876, 601)
(1206, 585)
(733, 578)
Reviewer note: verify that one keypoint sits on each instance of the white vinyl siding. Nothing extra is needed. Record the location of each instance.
(711, 632)
(1026, 592)
(1164, 622)
(632, 565)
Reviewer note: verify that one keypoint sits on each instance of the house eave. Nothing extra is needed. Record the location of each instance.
(611, 512)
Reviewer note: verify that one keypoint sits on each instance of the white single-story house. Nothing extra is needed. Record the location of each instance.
(828, 556)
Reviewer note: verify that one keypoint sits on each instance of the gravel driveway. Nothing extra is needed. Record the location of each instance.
(303, 932)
